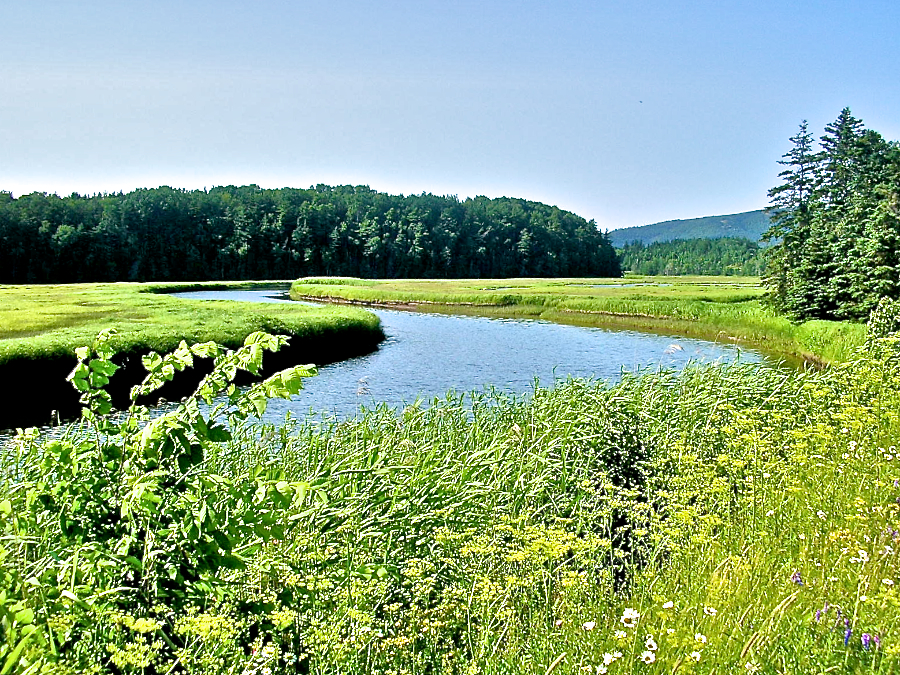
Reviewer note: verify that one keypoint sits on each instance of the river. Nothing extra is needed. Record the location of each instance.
(427, 355)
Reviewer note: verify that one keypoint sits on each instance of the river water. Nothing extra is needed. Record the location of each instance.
(427, 355)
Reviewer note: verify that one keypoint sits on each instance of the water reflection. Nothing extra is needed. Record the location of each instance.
(427, 355)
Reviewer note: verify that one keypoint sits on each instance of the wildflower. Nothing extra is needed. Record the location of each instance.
(648, 657)
(877, 641)
(887, 582)
(620, 635)
(602, 670)
(796, 578)
(668, 605)
(589, 625)
(866, 640)
(650, 644)
(695, 655)
(818, 615)
(608, 658)
(700, 637)
(751, 667)
(822, 515)
(669, 631)
(558, 623)
(770, 513)
(847, 633)
(630, 617)
(710, 611)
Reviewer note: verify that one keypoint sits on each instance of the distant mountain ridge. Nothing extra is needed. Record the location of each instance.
(749, 225)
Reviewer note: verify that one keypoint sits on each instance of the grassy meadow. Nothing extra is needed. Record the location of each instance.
(42, 325)
(725, 519)
(41, 321)
(717, 308)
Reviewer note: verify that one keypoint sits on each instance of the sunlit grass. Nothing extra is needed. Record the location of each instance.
(723, 519)
(41, 321)
(718, 308)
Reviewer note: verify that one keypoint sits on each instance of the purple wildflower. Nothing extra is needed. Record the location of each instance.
(847, 634)
(877, 641)
(866, 641)
(818, 615)
(796, 578)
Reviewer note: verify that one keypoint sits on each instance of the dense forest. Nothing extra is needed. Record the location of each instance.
(252, 233)
(748, 225)
(836, 223)
(725, 256)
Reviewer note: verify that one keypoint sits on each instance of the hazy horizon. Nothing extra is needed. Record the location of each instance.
(627, 115)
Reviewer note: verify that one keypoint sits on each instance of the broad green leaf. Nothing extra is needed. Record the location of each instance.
(25, 616)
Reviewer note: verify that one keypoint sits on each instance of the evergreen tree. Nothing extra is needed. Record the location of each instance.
(835, 224)
(790, 205)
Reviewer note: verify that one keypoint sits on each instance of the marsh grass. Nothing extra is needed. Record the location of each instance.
(724, 519)
(718, 308)
(746, 518)
(38, 322)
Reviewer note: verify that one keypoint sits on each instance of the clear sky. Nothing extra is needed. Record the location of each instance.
(624, 111)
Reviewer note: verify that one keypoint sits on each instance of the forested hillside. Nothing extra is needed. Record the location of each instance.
(750, 225)
(837, 226)
(251, 233)
(724, 256)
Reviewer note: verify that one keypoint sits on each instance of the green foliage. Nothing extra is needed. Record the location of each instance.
(837, 224)
(246, 232)
(122, 527)
(731, 518)
(719, 257)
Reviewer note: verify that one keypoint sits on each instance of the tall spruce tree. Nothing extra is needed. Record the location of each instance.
(835, 224)
(790, 213)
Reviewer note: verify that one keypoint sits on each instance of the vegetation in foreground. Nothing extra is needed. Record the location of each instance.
(39, 322)
(717, 308)
(724, 519)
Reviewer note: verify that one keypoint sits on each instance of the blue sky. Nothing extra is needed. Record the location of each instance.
(627, 112)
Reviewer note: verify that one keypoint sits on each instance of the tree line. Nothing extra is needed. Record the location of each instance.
(835, 224)
(248, 232)
(731, 256)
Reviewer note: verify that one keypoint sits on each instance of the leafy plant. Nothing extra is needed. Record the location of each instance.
(122, 521)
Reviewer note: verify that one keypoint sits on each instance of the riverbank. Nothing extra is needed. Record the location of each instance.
(723, 309)
(40, 327)
(724, 519)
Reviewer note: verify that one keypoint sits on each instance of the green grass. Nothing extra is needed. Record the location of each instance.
(731, 519)
(38, 322)
(718, 308)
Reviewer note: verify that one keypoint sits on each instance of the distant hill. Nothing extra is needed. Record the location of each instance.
(749, 225)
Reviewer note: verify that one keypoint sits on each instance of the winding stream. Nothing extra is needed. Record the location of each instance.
(427, 355)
